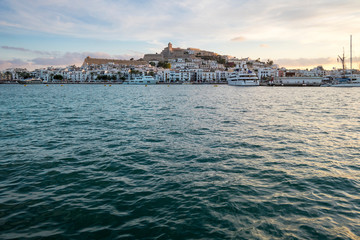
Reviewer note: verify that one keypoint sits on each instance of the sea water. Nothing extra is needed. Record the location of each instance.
(179, 162)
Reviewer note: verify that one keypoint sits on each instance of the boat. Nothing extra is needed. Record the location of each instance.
(344, 80)
(143, 80)
(30, 81)
(243, 78)
(327, 81)
(351, 82)
(298, 81)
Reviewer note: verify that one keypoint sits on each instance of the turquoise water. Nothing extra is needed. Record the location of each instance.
(179, 162)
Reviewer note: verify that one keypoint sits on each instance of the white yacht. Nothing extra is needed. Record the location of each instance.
(243, 78)
(143, 80)
(352, 82)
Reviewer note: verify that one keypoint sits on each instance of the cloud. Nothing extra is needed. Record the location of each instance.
(14, 63)
(61, 60)
(20, 49)
(238, 39)
(321, 24)
(15, 48)
(77, 58)
(7, 24)
(304, 62)
(160, 19)
(264, 45)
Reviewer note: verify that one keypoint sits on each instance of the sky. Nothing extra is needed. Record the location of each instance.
(294, 34)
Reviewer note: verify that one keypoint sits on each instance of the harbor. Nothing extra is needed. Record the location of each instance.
(180, 120)
(187, 66)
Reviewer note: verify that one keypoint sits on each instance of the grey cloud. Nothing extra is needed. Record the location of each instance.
(69, 58)
(20, 49)
(16, 49)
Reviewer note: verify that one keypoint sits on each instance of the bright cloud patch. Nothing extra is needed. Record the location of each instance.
(238, 39)
(303, 62)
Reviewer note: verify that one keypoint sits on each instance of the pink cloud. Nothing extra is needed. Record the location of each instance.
(238, 39)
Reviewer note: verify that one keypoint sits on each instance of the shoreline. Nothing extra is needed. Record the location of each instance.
(162, 83)
(261, 85)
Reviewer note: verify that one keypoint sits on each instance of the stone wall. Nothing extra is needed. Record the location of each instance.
(98, 61)
(153, 57)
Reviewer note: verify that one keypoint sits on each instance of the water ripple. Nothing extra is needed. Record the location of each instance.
(179, 162)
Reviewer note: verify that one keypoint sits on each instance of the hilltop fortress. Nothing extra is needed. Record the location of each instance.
(169, 52)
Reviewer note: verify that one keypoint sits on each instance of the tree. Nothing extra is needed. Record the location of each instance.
(135, 72)
(320, 68)
(220, 60)
(24, 75)
(119, 74)
(164, 65)
(8, 75)
(101, 77)
(269, 62)
(58, 77)
(230, 64)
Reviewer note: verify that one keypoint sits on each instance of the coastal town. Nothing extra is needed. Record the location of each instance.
(176, 66)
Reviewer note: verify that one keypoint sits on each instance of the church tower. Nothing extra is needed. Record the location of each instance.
(170, 47)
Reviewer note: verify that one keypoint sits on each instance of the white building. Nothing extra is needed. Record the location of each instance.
(266, 72)
(170, 75)
(208, 76)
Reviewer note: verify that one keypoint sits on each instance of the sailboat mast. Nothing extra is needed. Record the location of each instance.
(351, 55)
(342, 59)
